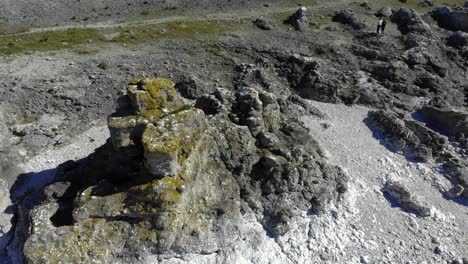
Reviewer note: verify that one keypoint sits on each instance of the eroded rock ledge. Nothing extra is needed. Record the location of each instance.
(175, 179)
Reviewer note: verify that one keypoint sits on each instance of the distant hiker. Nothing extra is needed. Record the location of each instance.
(379, 25)
(384, 23)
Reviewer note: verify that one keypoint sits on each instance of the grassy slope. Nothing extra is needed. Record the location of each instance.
(86, 39)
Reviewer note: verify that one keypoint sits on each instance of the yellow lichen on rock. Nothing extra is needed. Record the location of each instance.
(165, 192)
(160, 88)
(87, 242)
(153, 98)
(168, 143)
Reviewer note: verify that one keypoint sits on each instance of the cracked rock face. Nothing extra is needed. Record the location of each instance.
(173, 181)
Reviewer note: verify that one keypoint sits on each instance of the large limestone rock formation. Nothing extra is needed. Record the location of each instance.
(175, 180)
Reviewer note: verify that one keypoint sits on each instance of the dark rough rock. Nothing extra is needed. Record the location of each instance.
(262, 23)
(385, 11)
(366, 5)
(408, 21)
(347, 17)
(406, 200)
(424, 141)
(458, 39)
(209, 104)
(450, 122)
(429, 81)
(398, 136)
(438, 250)
(299, 19)
(456, 192)
(426, 3)
(451, 19)
(192, 88)
(311, 78)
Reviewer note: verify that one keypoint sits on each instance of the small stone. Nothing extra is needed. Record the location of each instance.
(365, 259)
(438, 250)
(426, 3)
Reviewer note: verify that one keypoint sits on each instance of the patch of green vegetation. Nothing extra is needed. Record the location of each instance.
(175, 29)
(298, 3)
(216, 50)
(84, 50)
(324, 21)
(145, 13)
(47, 41)
(281, 18)
(355, 88)
(86, 242)
(86, 40)
(185, 107)
(103, 65)
(166, 192)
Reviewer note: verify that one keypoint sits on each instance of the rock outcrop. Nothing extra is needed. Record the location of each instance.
(427, 140)
(299, 19)
(451, 19)
(406, 200)
(175, 179)
(347, 17)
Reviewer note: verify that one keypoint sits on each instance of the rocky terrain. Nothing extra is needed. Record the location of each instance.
(233, 132)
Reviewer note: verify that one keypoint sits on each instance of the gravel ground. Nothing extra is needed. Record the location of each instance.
(368, 228)
(42, 169)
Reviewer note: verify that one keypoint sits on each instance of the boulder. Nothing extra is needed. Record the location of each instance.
(385, 11)
(406, 200)
(451, 20)
(448, 121)
(458, 39)
(348, 17)
(426, 3)
(408, 20)
(365, 5)
(397, 136)
(263, 23)
(210, 104)
(193, 87)
(299, 19)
